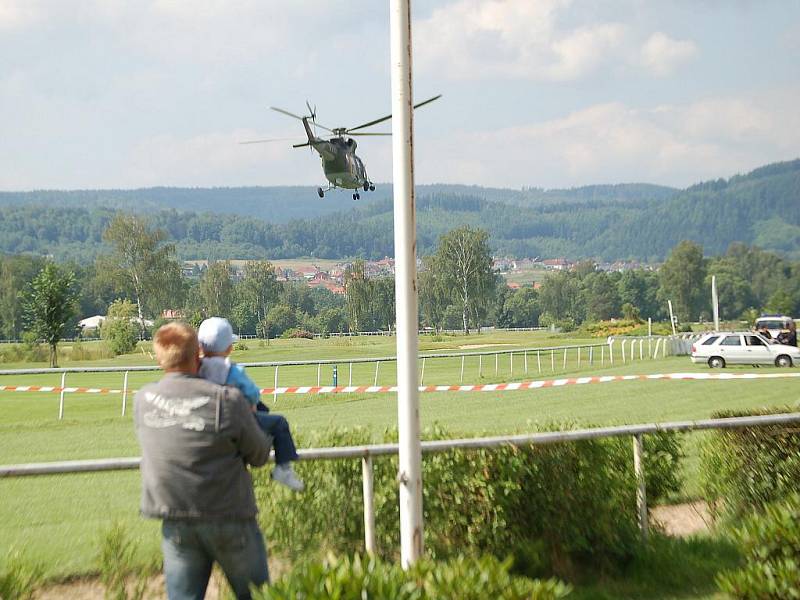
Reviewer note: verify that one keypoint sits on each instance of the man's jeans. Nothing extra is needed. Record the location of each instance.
(191, 548)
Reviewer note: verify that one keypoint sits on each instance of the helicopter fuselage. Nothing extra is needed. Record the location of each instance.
(339, 161)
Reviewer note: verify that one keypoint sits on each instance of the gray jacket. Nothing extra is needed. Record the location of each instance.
(197, 439)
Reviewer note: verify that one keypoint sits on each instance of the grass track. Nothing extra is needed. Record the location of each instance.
(59, 518)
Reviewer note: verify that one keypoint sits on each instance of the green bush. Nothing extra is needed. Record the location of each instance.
(122, 577)
(462, 578)
(770, 544)
(18, 577)
(120, 335)
(742, 470)
(554, 506)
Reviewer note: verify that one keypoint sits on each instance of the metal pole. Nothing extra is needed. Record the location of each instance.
(511, 356)
(462, 368)
(495, 363)
(377, 367)
(275, 393)
(370, 543)
(539, 361)
(422, 372)
(641, 346)
(526, 362)
(611, 352)
(124, 393)
(480, 366)
(350, 376)
(591, 355)
(602, 356)
(552, 360)
(405, 244)
(564, 367)
(579, 356)
(61, 396)
(715, 301)
(319, 374)
(650, 337)
(641, 490)
(623, 351)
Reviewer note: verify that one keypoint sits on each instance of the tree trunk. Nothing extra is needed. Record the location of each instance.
(53, 355)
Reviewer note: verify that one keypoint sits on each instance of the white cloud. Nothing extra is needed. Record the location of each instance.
(473, 39)
(613, 142)
(18, 13)
(661, 54)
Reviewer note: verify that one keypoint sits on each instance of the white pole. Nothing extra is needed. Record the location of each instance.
(641, 490)
(462, 368)
(124, 393)
(511, 357)
(275, 394)
(370, 543)
(319, 373)
(350, 376)
(539, 361)
(671, 317)
(422, 373)
(650, 337)
(480, 366)
(526, 363)
(377, 366)
(611, 352)
(61, 396)
(405, 245)
(715, 301)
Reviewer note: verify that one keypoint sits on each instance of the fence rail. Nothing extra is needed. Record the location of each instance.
(368, 452)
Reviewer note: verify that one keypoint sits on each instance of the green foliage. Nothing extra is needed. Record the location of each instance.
(682, 276)
(745, 469)
(118, 331)
(556, 506)
(49, 303)
(770, 544)
(122, 577)
(19, 578)
(465, 578)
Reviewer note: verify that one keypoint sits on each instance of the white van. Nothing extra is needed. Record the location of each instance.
(774, 323)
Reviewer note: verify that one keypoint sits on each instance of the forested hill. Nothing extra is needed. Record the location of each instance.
(610, 222)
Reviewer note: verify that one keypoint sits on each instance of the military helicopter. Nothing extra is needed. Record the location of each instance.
(343, 169)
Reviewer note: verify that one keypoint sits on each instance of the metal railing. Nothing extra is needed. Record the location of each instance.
(368, 452)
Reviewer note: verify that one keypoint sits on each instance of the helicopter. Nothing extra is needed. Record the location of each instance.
(342, 167)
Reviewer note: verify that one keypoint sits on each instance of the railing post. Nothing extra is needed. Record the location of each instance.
(641, 347)
(539, 361)
(591, 355)
(350, 376)
(623, 351)
(526, 362)
(496, 366)
(124, 393)
(602, 356)
(579, 356)
(462, 368)
(511, 357)
(319, 374)
(61, 396)
(480, 366)
(377, 367)
(370, 542)
(641, 490)
(422, 372)
(275, 386)
(611, 352)
(564, 366)
(553, 360)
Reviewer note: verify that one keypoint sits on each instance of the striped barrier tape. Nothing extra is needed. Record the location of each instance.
(486, 387)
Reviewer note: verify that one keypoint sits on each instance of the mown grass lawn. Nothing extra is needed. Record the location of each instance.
(58, 519)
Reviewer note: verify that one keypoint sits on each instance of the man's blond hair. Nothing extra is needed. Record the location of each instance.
(175, 345)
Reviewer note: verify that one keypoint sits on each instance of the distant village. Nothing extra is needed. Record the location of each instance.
(332, 277)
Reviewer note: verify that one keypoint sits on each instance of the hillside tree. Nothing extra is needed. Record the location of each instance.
(683, 277)
(216, 290)
(48, 304)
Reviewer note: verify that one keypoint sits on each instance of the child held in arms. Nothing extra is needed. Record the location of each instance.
(216, 344)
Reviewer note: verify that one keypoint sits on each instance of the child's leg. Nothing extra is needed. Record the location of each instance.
(278, 427)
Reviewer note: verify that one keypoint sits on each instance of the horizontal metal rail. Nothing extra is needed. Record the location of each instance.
(546, 437)
(285, 363)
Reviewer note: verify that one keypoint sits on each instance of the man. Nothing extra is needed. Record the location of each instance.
(197, 439)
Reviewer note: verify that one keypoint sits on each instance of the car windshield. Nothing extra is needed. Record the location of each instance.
(773, 324)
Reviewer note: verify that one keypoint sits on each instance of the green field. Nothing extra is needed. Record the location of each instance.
(58, 518)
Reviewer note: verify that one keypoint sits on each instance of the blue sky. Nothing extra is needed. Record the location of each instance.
(546, 93)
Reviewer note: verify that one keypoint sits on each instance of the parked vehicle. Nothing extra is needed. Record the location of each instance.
(773, 323)
(742, 348)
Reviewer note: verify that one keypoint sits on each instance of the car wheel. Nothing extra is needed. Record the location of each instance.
(716, 362)
(783, 361)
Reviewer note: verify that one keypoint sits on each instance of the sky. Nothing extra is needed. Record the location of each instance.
(536, 93)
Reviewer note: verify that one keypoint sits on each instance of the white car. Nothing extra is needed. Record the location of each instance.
(742, 348)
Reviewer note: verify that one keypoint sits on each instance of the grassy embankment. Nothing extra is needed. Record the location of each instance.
(57, 519)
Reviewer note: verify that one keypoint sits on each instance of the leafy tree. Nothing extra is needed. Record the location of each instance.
(683, 277)
(560, 297)
(522, 308)
(358, 291)
(280, 318)
(216, 290)
(118, 330)
(49, 303)
(464, 260)
(383, 307)
(602, 298)
(142, 264)
(255, 294)
(434, 296)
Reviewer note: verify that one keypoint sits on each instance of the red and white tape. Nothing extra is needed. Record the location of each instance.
(485, 387)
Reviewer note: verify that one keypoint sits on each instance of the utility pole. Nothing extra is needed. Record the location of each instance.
(715, 302)
(405, 249)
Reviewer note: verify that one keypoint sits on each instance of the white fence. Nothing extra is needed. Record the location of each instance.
(366, 454)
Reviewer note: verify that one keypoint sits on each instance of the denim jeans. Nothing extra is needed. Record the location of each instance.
(191, 547)
(278, 427)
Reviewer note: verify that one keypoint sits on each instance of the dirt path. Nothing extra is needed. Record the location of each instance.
(681, 520)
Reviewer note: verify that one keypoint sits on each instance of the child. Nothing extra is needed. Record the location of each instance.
(216, 342)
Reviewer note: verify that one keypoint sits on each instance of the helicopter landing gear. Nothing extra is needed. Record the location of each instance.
(356, 196)
(371, 187)
(366, 186)
(320, 192)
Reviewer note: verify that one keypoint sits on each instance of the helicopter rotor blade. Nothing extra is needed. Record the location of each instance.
(299, 118)
(387, 117)
(300, 145)
(269, 140)
(367, 133)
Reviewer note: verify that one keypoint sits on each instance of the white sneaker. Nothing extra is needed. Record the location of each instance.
(285, 474)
